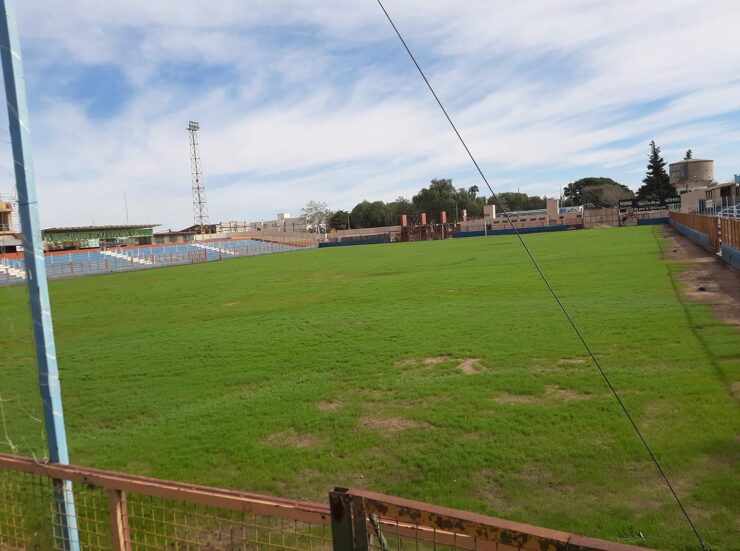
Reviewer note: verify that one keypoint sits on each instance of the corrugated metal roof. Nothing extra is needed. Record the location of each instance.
(101, 228)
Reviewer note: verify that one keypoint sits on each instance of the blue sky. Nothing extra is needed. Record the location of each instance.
(302, 101)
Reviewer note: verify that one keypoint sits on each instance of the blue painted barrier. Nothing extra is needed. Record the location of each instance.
(652, 221)
(510, 231)
(730, 255)
(374, 240)
(695, 236)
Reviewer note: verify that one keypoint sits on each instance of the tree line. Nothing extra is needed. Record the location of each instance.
(441, 195)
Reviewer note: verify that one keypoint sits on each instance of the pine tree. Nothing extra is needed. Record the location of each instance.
(689, 155)
(656, 184)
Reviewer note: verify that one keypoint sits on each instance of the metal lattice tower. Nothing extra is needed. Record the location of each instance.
(200, 204)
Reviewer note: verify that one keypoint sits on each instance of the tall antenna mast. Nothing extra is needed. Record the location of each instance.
(200, 204)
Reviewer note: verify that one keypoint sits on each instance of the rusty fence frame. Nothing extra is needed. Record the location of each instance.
(369, 521)
(116, 532)
(353, 520)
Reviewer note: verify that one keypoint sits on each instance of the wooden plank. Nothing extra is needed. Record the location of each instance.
(120, 537)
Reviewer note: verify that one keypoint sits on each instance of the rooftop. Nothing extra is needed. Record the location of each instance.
(100, 228)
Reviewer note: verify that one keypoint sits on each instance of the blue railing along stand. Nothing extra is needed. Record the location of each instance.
(38, 293)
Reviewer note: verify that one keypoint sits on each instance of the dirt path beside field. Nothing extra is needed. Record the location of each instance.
(708, 281)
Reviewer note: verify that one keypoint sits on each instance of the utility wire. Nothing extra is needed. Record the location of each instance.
(546, 281)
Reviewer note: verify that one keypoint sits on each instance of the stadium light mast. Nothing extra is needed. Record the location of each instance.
(65, 522)
(200, 204)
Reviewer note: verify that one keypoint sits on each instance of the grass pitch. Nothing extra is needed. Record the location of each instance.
(439, 371)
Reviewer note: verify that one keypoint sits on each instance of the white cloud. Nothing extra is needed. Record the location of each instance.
(317, 99)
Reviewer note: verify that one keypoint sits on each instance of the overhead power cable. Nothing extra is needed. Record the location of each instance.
(546, 281)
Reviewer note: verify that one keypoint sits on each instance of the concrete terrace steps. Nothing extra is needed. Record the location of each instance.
(211, 248)
(114, 254)
(12, 272)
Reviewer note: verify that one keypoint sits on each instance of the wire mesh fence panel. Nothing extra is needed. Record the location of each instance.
(155, 523)
(391, 535)
(114, 511)
(29, 519)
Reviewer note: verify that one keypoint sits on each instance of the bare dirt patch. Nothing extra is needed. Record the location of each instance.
(554, 391)
(508, 398)
(390, 424)
(291, 439)
(471, 366)
(329, 406)
(736, 390)
(708, 280)
(434, 360)
(491, 492)
(571, 361)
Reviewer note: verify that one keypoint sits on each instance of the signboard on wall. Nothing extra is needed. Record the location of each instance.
(641, 205)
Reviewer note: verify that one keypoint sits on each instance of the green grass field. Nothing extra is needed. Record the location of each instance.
(291, 373)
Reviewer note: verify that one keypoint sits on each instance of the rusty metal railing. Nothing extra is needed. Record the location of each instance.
(368, 521)
(121, 512)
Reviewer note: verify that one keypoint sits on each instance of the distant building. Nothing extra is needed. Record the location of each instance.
(283, 223)
(691, 174)
(737, 178)
(711, 199)
(9, 237)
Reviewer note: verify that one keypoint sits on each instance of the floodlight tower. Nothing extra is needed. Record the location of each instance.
(200, 205)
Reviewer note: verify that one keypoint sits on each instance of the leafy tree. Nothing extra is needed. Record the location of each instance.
(514, 201)
(317, 214)
(689, 155)
(656, 184)
(400, 207)
(370, 215)
(438, 197)
(606, 195)
(573, 192)
(468, 199)
(340, 220)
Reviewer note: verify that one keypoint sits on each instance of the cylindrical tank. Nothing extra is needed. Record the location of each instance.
(691, 174)
(465, 215)
(444, 216)
(404, 220)
(423, 218)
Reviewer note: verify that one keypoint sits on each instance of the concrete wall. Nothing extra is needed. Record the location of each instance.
(598, 218)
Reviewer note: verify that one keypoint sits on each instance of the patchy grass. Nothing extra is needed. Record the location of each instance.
(288, 374)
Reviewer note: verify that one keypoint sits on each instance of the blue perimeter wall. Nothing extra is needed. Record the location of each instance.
(383, 238)
(652, 221)
(729, 254)
(482, 233)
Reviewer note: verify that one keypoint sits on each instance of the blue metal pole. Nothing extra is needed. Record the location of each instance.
(65, 523)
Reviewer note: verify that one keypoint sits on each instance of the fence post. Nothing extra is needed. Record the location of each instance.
(348, 525)
(38, 291)
(120, 538)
